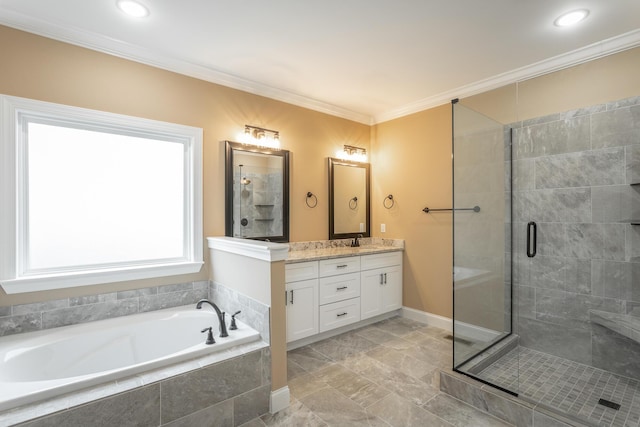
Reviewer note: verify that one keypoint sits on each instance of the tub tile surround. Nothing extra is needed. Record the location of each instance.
(230, 392)
(572, 172)
(253, 312)
(70, 311)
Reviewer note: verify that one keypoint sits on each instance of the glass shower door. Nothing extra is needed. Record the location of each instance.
(482, 243)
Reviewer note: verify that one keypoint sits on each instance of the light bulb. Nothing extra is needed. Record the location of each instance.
(133, 8)
(571, 18)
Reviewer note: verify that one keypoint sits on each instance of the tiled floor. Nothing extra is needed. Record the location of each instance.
(569, 386)
(385, 374)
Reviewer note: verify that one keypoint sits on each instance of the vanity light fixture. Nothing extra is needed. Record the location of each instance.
(350, 152)
(571, 18)
(133, 8)
(260, 136)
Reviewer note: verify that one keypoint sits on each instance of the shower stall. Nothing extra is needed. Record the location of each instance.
(547, 270)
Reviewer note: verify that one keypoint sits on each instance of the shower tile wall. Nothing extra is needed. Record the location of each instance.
(260, 202)
(571, 175)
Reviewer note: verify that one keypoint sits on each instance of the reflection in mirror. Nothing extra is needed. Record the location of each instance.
(348, 199)
(257, 192)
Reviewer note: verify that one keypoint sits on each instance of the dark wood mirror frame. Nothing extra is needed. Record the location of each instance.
(332, 186)
(231, 150)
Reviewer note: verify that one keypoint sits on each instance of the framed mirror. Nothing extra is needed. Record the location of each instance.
(256, 192)
(349, 194)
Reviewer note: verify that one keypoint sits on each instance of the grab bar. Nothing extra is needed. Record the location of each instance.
(475, 209)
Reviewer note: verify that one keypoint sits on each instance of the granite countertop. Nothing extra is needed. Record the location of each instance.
(337, 252)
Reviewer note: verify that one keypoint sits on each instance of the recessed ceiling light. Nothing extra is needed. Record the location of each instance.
(571, 18)
(133, 8)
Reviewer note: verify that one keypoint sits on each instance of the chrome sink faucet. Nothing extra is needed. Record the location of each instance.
(223, 325)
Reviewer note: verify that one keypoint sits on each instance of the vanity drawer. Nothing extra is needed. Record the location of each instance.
(338, 288)
(300, 271)
(339, 314)
(332, 267)
(386, 259)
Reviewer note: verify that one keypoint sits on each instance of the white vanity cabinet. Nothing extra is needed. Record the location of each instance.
(331, 293)
(301, 299)
(381, 284)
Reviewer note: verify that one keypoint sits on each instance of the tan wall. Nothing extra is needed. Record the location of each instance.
(411, 159)
(278, 323)
(39, 68)
(607, 79)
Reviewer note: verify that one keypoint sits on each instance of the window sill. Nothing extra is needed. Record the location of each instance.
(96, 277)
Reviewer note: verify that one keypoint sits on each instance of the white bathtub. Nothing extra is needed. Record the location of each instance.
(44, 364)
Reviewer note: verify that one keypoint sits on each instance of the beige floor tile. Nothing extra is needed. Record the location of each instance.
(399, 412)
(304, 385)
(409, 365)
(335, 410)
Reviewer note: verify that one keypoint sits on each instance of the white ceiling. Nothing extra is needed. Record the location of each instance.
(365, 60)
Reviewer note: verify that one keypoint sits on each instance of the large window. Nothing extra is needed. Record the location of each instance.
(91, 197)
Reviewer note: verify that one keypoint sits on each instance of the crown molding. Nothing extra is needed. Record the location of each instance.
(579, 56)
(87, 39)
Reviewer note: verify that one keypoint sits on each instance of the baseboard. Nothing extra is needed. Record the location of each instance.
(279, 400)
(468, 330)
(475, 332)
(427, 318)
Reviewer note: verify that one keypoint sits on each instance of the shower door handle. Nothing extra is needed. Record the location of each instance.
(532, 229)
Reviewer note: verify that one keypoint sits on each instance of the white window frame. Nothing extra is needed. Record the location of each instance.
(13, 110)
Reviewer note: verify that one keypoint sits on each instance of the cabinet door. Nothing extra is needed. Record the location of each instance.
(380, 291)
(392, 289)
(371, 283)
(302, 309)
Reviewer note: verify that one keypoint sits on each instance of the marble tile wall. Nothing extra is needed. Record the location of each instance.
(571, 175)
(229, 393)
(253, 313)
(69, 311)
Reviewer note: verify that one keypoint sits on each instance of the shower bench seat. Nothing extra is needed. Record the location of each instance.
(625, 325)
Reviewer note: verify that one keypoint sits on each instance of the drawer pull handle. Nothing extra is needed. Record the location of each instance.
(341, 314)
(381, 278)
(342, 266)
(341, 288)
(385, 278)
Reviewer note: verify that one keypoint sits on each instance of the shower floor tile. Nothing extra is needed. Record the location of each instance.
(571, 387)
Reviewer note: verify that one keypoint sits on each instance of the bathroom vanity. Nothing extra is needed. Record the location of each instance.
(330, 288)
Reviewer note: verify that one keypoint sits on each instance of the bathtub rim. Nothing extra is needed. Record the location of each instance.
(31, 407)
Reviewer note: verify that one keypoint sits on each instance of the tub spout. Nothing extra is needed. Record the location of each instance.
(223, 325)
